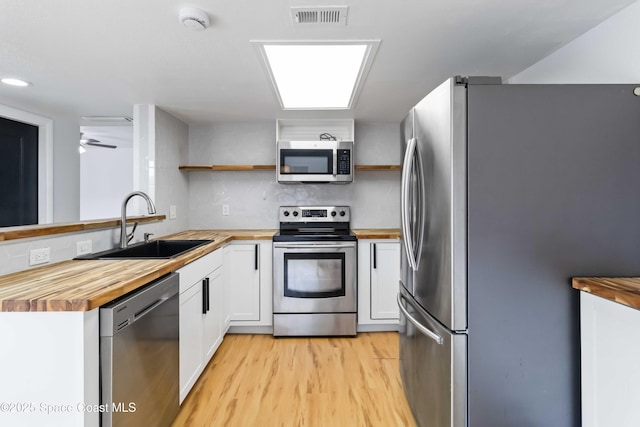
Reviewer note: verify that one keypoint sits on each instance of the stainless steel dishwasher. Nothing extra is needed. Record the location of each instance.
(139, 356)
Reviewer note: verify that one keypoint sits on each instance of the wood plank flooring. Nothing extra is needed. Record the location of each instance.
(259, 380)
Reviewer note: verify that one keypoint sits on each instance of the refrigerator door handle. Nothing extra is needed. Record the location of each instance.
(419, 237)
(429, 333)
(407, 165)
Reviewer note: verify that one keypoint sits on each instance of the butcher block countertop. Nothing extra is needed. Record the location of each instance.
(623, 290)
(377, 233)
(84, 285)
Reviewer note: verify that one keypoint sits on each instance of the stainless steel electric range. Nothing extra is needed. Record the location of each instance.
(314, 272)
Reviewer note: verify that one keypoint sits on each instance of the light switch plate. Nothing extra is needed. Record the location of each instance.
(172, 212)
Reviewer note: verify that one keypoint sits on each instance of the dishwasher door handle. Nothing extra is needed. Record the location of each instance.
(148, 308)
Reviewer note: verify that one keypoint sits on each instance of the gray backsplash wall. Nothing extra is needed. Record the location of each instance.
(254, 196)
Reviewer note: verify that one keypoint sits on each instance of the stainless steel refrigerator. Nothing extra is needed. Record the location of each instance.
(507, 192)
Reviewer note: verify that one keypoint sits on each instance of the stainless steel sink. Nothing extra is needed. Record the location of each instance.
(156, 249)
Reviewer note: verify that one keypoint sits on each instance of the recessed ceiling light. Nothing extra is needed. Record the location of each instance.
(317, 75)
(14, 82)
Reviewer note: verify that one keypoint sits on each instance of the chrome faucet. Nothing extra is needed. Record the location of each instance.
(124, 237)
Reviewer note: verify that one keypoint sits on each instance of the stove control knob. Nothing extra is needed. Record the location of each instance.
(333, 213)
(295, 213)
(342, 213)
(286, 213)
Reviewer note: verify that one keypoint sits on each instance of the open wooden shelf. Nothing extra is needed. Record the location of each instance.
(237, 168)
(227, 168)
(378, 167)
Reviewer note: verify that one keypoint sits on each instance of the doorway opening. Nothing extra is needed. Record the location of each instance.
(18, 173)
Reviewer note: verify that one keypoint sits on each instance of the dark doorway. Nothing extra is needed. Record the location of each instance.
(18, 173)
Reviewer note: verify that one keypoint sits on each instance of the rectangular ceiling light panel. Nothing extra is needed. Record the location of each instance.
(317, 75)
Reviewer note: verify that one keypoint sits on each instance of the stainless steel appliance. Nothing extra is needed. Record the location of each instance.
(325, 161)
(314, 272)
(507, 192)
(139, 356)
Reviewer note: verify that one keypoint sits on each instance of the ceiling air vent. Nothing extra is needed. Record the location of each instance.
(319, 15)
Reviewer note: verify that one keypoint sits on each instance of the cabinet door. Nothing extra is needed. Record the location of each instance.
(191, 329)
(226, 297)
(385, 275)
(212, 320)
(244, 281)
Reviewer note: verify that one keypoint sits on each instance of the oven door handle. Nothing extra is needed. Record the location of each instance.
(314, 245)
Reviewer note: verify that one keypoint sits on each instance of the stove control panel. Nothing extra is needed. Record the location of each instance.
(314, 214)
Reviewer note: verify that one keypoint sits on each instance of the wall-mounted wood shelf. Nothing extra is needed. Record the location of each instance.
(378, 167)
(237, 168)
(227, 168)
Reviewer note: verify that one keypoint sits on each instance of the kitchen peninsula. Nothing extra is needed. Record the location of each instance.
(49, 322)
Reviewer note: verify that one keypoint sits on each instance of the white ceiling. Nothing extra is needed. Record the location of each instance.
(97, 57)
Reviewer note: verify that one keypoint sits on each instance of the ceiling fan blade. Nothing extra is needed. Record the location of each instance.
(99, 144)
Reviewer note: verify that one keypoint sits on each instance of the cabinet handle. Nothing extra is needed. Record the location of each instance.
(256, 257)
(208, 294)
(375, 256)
(205, 297)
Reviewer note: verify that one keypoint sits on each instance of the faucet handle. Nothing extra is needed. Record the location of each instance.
(133, 230)
(146, 236)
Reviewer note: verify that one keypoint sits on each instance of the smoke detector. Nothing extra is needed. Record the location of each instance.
(319, 15)
(193, 18)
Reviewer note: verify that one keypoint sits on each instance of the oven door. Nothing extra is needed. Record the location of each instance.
(314, 277)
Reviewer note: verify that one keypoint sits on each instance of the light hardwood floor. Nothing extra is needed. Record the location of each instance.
(258, 380)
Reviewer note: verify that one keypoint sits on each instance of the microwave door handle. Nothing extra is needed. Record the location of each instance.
(335, 162)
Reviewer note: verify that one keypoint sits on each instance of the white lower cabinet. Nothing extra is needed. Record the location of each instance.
(201, 320)
(248, 283)
(378, 281)
(610, 351)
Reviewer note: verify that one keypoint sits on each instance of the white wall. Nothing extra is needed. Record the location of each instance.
(171, 185)
(254, 196)
(106, 176)
(608, 53)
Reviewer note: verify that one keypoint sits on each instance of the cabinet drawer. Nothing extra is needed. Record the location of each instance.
(192, 273)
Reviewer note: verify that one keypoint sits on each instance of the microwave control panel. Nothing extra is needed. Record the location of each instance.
(344, 162)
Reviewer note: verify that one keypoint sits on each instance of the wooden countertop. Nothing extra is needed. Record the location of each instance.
(377, 233)
(84, 285)
(623, 290)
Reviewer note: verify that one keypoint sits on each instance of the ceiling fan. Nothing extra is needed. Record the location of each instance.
(93, 142)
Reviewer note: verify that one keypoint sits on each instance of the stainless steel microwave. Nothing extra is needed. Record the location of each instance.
(315, 162)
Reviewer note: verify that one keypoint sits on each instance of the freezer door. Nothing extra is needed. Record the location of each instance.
(440, 133)
(433, 367)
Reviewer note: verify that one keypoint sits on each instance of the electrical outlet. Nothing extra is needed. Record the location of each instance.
(225, 210)
(172, 212)
(84, 247)
(39, 256)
